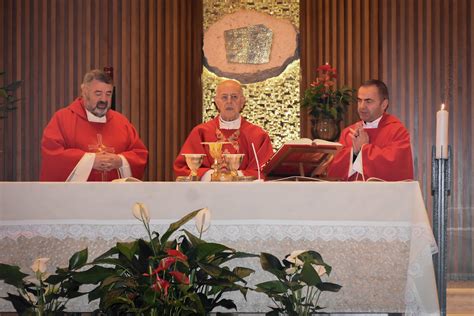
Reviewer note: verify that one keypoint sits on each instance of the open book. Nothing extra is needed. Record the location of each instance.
(302, 157)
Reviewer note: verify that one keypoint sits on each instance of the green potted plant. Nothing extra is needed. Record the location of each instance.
(299, 283)
(326, 103)
(7, 98)
(43, 293)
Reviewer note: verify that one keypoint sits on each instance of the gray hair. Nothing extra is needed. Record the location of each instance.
(97, 74)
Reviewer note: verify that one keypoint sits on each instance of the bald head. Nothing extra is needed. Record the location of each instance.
(229, 99)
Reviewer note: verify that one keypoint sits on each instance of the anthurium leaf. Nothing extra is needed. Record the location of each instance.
(209, 249)
(20, 304)
(274, 287)
(311, 256)
(273, 313)
(109, 253)
(78, 259)
(243, 272)
(330, 287)
(309, 275)
(12, 275)
(272, 264)
(229, 304)
(56, 278)
(128, 249)
(218, 272)
(176, 225)
(94, 275)
(194, 240)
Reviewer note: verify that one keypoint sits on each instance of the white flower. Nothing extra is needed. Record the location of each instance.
(140, 211)
(321, 270)
(291, 270)
(203, 220)
(30, 297)
(39, 265)
(293, 258)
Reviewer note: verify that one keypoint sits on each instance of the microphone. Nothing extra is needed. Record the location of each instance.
(258, 164)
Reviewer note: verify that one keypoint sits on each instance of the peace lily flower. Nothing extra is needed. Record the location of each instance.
(203, 220)
(140, 211)
(39, 265)
(293, 258)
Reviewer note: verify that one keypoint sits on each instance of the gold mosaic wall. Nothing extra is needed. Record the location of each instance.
(272, 104)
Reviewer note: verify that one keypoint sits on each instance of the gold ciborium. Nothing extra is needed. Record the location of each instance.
(194, 161)
(233, 162)
(215, 150)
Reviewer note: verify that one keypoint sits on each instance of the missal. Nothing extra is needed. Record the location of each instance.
(301, 157)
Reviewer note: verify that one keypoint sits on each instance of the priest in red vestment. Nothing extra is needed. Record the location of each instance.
(378, 146)
(228, 126)
(87, 141)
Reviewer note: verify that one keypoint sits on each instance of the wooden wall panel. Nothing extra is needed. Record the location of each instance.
(153, 45)
(423, 50)
(344, 34)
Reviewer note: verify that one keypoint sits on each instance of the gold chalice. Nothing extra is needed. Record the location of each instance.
(194, 161)
(233, 162)
(215, 150)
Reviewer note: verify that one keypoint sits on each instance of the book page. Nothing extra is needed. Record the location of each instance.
(301, 141)
(320, 142)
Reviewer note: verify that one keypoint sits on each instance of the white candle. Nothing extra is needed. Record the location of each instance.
(442, 133)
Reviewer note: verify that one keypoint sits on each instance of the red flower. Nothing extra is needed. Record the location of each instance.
(161, 285)
(177, 254)
(165, 264)
(325, 67)
(180, 277)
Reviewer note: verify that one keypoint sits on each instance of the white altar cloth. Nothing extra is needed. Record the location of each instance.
(376, 236)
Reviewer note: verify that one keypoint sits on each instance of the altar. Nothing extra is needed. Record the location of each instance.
(376, 236)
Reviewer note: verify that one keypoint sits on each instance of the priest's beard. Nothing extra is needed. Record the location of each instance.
(100, 108)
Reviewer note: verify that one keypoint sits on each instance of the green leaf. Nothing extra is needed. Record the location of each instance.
(226, 303)
(176, 225)
(78, 260)
(128, 249)
(220, 273)
(12, 275)
(272, 287)
(194, 240)
(311, 256)
(19, 303)
(309, 275)
(272, 264)
(243, 272)
(330, 287)
(93, 276)
(205, 250)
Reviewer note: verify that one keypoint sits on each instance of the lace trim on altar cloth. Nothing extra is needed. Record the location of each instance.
(225, 230)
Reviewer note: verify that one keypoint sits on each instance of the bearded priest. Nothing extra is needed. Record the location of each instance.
(87, 141)
(230, 127)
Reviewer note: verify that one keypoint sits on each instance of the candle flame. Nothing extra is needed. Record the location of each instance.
(327, 63)
(442, 106)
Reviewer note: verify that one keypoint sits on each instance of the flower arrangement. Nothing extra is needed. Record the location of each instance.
(166, 276)
(323, 99)
(299, 285)
(176, 273)
(43, 293)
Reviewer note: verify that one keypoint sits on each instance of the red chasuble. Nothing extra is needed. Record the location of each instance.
(387, 156)
(69, 135)
(241, 143)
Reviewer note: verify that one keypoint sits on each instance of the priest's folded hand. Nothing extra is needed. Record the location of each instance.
(105, 161)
